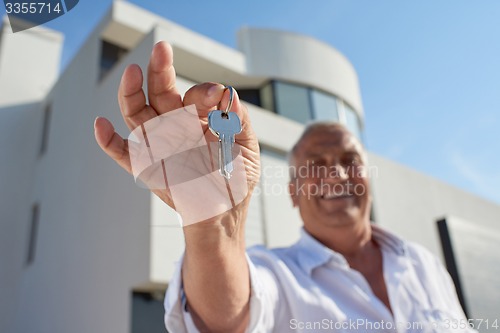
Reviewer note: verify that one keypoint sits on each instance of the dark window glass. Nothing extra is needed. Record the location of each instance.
(250, 95)
(147, 312)
(352, 121)
(373, 216)
(47, 114)
(324, 106)
(267, 97)
(110, 55)
(35, 217)
(292, 101)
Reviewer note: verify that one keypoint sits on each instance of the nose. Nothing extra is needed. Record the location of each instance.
(336, 173)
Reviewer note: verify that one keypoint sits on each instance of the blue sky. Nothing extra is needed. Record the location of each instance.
(429, 70)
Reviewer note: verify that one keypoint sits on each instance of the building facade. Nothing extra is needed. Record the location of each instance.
(84, 249)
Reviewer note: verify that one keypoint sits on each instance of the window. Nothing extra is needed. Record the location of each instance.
(251, 96)
(451, 262)
(352, 122)
(292, 101)
(373, 216)
(302, 104)
(147, 312)
(35, 217)
(110, 55)
(324, 106)
(47, 114)
(267, 97)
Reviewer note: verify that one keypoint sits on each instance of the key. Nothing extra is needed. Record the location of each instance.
(225, 126)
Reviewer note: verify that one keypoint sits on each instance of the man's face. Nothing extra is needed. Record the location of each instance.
(330, 186)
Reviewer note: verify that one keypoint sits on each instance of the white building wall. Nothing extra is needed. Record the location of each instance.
(300, 59)
(24, 82)
(409, 203)
(26, 73)
(282, 221)
(19, 143)
(476, 250)
(93, 240)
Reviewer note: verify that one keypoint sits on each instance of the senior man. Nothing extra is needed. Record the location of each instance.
(344, 274)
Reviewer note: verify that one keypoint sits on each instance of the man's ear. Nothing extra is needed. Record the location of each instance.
(292, 189)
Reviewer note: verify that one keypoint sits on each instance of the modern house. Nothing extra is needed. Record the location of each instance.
(84, 249)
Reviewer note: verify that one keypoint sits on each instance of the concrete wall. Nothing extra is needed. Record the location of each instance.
(476, 251)
(25, 81)
(301, 59)
(19, 137)
(26, 74)
(409, 203)
(93, 238)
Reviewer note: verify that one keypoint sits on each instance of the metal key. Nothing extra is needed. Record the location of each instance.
(225, 125)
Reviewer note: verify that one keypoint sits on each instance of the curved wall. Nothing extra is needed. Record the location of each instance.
(300, 59)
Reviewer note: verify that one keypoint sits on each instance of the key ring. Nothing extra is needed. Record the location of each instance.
(230, 104)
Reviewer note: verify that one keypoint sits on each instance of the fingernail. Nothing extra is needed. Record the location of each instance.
(214, 89)
(154, 60)
(95, 121)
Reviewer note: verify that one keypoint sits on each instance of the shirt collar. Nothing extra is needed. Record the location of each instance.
(388, 240)
(312, 253)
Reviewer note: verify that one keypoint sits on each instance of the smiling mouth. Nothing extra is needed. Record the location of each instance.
(336, 195)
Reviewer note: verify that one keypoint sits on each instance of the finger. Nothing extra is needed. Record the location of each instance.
(162, 92)
(132, 100)
(112, 143)
(206, 97)
(209, 96)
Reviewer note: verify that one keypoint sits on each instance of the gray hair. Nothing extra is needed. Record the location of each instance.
(314, 126)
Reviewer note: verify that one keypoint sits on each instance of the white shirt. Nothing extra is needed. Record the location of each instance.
(310, 288)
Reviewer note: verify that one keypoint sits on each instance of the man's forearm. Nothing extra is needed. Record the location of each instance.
(215, 272)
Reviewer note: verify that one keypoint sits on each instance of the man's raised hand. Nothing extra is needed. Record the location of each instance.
(166, 125)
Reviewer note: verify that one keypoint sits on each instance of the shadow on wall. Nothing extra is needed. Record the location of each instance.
(20, 129)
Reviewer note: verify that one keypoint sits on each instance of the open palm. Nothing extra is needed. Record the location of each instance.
(187, 186)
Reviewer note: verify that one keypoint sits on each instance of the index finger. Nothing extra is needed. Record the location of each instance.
(132, 100)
